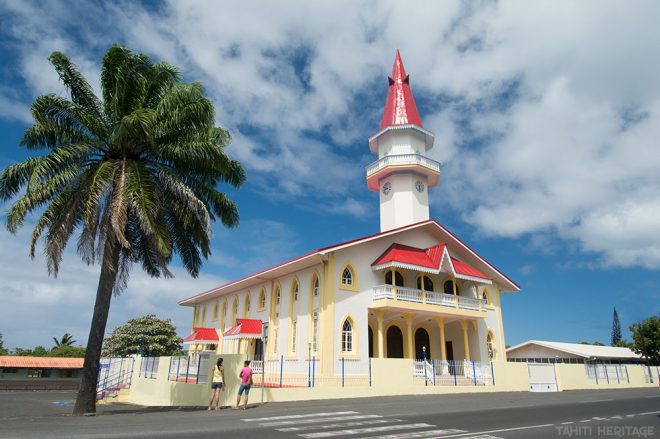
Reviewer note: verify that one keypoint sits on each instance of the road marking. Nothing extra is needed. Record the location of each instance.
(418, 434)
(567, 423)
(617, 417)
(595, 400)
(596, 418)
(649, 413)
(585, 420)
(652, 396)
(317, 420)
(310, 415)
(483, 436)
(629, 416)
(500, 430)
(339, 425)
(364, 430)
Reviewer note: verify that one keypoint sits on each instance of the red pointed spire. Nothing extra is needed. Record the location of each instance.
(400, 108)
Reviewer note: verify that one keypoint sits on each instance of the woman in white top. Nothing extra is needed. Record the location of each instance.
(217, 384)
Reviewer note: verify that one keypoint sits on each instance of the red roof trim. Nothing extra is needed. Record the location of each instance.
(354, 241)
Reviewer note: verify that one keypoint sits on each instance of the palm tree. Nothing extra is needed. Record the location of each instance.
(136, 173)
(66, 340)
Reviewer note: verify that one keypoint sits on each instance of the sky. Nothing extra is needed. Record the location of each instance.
(546, 117)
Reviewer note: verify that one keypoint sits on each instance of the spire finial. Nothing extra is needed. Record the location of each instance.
(400, 108)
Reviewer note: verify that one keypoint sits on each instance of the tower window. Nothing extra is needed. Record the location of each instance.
(316, 287)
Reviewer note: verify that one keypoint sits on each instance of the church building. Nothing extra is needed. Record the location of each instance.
(413, 290)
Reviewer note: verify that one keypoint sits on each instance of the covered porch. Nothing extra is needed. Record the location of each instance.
(400, 334)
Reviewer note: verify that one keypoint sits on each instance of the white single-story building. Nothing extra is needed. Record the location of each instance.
(539, 351)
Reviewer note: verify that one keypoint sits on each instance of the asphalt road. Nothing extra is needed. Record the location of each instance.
(626, 413)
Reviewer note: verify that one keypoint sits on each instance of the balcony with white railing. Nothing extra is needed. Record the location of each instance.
(433, 298)
(417, 161)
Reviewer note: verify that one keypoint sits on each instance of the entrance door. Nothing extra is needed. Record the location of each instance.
(394, 342)
(449, 349)
(258, 349)
(371, 342)
(422, 340)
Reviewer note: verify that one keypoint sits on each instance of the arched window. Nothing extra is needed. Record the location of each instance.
(295, 291)
(424, 283)
(347, 337)
(448, 287)
(484, 296)
(315, 331)
(316, 286)
(398, 278)
(347, 277)
(489, 346)
(277, 297)
(247, 303)
(262, 299)
(234, 310)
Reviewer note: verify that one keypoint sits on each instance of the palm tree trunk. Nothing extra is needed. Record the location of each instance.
(86, 399)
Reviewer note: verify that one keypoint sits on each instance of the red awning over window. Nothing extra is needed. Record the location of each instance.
(244, 328)
(202, 336)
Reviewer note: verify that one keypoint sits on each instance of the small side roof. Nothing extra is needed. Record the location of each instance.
(581, 350)
(41, 362)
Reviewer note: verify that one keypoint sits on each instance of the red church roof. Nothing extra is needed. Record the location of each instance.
(430, 259)
(400, 108)
(202, 336)
(244, 328)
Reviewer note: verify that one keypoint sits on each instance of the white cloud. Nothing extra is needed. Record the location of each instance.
(36, 307)
(535, 135)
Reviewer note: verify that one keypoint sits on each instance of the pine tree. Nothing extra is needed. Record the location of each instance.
(616, 329)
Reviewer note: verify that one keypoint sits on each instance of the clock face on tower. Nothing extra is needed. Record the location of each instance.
(419, 186)
(387, 188)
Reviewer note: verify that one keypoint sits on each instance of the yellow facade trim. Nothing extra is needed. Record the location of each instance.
(498, 307)
(203, 319)
(216, 305)
(354, 286)
(246, 304)
(327, 316)
(314, 281)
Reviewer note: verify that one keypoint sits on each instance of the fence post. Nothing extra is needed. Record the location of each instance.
(342, 371)
(454, 364)
(178, 365)
(369, 371)
(433, 370)
(121, 367)
(281, 368)
(616, 369)
(153, 363)
(492, 372)
(426, 380)
(313, 370)
(187, 368)
(650, 374)
(199, 364)
(474, 372)
(169, 369)
(309, 366)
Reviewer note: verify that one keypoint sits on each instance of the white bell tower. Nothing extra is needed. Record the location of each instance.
(402, 174)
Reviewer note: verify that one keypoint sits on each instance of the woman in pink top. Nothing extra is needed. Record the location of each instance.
(246, 382)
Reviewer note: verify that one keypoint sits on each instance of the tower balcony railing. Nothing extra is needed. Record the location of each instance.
(403, 159)
(414, 295)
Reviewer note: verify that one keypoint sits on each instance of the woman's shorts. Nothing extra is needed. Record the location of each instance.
(216, 385)
(244, 387)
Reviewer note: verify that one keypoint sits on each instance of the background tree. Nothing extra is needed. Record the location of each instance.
(135, 173)
(66, 340)
(646, 339)
(146, 335)
(38, 351)
(67, 351)
(593, 343)
(616, 329)
(3, 351)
